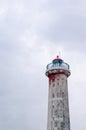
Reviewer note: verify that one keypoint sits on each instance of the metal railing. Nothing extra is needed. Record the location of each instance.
(62, 65)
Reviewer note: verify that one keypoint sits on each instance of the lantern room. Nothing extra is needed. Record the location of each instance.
(58, 66)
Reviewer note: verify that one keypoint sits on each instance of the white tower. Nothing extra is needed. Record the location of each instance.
(58, 108)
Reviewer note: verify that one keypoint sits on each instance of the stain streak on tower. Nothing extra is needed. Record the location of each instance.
(58, 108)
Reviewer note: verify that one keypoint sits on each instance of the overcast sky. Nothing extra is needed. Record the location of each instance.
(32, 33)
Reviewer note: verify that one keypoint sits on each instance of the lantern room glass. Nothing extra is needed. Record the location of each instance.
(58, 65)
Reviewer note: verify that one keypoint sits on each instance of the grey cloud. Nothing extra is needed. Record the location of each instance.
(23, 88)
(65, 24)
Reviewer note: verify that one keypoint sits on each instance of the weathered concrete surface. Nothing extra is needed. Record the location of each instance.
(58, 108)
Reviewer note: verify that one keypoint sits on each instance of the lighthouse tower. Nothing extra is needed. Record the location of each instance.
(58, 108)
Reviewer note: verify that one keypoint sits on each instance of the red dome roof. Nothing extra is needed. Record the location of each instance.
(57, 58)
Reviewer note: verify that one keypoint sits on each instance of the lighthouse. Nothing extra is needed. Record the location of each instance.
(58, 108)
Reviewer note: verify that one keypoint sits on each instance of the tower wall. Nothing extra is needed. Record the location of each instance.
(58, 108)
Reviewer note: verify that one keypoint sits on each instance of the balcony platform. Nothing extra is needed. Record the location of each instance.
(59, 68)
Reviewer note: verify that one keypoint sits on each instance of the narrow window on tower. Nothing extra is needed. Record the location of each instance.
(56, 124)
(66, 81)
(56, 112)
(62, 124)
(53, 85)
(62, 94)
(53, 80)
(53, 95)
(53, 106)
(63, 116)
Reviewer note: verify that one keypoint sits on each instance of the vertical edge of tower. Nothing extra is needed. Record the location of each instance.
(58, 106)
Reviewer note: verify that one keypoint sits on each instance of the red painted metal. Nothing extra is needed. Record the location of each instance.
(57, 58)
(52, 77)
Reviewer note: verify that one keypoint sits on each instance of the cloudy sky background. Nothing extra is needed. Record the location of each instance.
(32, 33)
